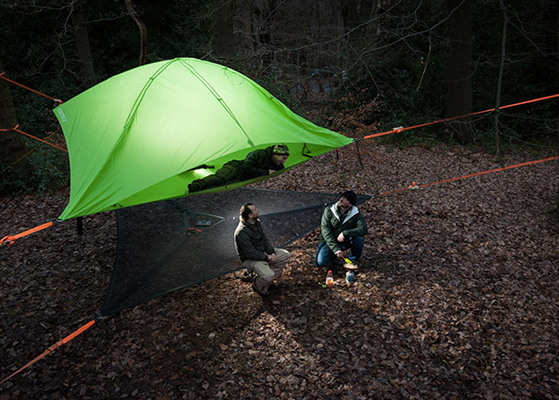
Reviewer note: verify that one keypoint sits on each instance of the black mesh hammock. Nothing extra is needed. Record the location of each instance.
(168, 245)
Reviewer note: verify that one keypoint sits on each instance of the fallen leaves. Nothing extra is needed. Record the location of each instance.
(456, 297)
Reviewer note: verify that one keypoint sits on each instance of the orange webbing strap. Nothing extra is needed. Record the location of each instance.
(401, 128)
(9, 240)
(32, 90)
(52, 348)
(31, 136)
(415, 186)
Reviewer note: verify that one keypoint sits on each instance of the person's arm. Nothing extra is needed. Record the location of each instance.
(254, 165)
(267, 244)
(248, 250)
(328, 231)
(359, 229)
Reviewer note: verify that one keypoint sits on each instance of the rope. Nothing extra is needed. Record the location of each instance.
(53, 347)
(28, 88)
(415, 186)
(401, 128)
(9, 240)
(33, 137)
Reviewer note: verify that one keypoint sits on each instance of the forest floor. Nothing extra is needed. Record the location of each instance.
(457, 297)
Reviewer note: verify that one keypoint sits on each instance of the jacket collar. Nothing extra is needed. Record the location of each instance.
(352, 211)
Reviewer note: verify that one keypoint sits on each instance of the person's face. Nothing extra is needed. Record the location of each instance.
(344, 203)
(253, 212)
(279, 159)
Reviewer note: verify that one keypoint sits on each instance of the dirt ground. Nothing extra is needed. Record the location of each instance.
(456, 298)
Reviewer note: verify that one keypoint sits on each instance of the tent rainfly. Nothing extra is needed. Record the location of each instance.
(145, 134)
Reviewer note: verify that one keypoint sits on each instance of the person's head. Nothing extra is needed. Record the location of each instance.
(347, 199)
(280, 152)
(249, 211)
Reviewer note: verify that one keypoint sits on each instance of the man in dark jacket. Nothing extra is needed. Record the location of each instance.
(257, 163)
(343, 230)
(256, 252)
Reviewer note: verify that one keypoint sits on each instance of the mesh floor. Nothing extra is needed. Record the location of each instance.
(172, 244)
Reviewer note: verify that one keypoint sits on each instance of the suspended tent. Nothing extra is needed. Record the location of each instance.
(136, 141)
(144, 135)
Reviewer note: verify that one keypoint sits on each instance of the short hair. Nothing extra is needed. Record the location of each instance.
(245, 211)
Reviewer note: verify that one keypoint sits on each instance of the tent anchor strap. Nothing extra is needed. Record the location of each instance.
(52, 348)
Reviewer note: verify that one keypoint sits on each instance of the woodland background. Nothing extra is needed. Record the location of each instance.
(458, 293)
(355, 66)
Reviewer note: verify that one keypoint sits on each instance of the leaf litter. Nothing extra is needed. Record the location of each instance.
(456, 296)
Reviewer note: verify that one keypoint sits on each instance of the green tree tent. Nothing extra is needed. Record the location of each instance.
(143, 135)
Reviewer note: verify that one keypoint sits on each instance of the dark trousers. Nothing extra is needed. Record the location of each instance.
(324, 255)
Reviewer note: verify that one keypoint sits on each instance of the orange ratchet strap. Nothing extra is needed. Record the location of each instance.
(9, 240)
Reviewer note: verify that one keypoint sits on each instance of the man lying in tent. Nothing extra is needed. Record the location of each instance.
(257, 163)
(343, 229)
(256, 252)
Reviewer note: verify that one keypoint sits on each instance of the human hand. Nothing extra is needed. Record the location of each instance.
(272, 257)
(340, 254)
(341, 237)
(271, 171)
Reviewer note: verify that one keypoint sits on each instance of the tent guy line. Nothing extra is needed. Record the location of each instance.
(392, 131)
(10, 239)
(32, 137)
(402, 129)
(233, 75)
(52, 348)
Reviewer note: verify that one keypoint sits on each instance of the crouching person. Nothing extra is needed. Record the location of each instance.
(256, 252)
(342, 232)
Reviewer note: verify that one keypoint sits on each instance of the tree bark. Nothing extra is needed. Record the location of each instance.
(82, 44)
(13, 146)
(460, 98)
(224, 38)
(349, 14)
(500, 81)
(143, 32)
(265, 15)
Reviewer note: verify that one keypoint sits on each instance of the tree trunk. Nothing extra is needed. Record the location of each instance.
(13, 146)
(349, 14)
(143, 32)
(224, 39)
(459, 98)
(82, 44)
(265, 16)
(500, 81)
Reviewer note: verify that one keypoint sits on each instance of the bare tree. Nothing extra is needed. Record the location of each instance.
(13, 147)
(82, 44)
(143, 32)
(500, 81)
(459, 99)
(224, 38)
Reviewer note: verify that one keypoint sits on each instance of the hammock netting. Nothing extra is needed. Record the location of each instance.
(168, 245)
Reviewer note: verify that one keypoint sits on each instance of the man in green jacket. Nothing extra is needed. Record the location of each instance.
(256, 252)
(257, 163)
(343, 230)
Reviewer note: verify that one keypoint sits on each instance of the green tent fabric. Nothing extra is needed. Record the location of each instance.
(142, 135)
